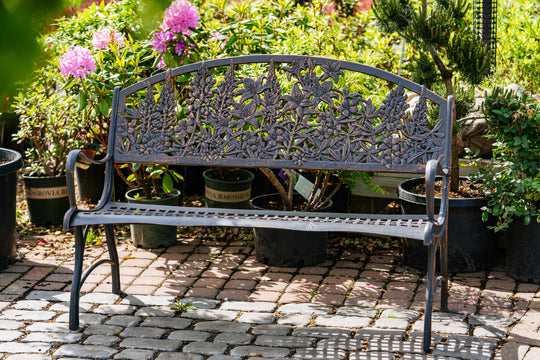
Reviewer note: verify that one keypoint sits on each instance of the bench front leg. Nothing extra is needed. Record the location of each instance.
(77, 275)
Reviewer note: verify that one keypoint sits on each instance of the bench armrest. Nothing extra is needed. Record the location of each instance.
(72, 158)
(438, 221)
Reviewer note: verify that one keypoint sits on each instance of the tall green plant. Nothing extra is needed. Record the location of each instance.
(513, 179)
(49, 123)
(447, 48)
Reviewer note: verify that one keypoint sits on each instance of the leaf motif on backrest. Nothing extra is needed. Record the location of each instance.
(315, 120)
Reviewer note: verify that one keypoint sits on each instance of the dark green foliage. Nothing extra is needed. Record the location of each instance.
(430, 28)
(441, 35)
(458, 8)
(423, 70)
(464, 102)
(513, 179)
(469, 55)
(393, 15)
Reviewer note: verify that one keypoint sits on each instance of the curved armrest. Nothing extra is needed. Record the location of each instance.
(72, 158)
(434, 169)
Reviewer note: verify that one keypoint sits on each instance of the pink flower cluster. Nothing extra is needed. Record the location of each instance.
(179, 18)
(77, 61)
(105, 37)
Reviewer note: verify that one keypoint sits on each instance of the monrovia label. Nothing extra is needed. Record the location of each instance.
(47, 193)
(228, 197)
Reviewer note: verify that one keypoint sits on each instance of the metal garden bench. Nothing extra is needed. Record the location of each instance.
(273, 111)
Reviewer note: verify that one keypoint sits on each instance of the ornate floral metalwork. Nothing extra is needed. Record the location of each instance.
(314, 121)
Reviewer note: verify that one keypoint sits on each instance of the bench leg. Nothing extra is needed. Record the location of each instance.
(432, 249)
(76, 284)
(444, 271)
(113, 255)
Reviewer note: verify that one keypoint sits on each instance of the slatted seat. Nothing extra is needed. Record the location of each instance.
(410, 226)
(298, 112)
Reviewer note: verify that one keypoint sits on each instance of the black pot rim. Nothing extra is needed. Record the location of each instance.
(249, 176)
(26, 176)
(253, 206)
(14, 163)
(406, 195)
(130, 192)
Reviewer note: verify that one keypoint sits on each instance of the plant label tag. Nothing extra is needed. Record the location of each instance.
(82, 165)
(305, 187)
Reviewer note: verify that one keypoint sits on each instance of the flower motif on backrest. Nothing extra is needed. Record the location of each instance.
(314, 121)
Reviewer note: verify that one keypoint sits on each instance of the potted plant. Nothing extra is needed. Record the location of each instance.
(446, 49)
(227, 187)
(95, 50)
(50, 127)
(292, 248)
(513, 179)
(10, 163)
(153, 184)
(9, 123)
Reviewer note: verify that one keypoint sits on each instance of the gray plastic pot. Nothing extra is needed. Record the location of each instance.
(153, 236)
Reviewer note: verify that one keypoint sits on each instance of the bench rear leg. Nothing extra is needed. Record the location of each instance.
(113, 255)
(76, 284)
(432, 249)
(444, 271)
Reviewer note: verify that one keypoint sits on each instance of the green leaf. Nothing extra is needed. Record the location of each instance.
(176, 176)
(231, 41)
(167, 183)
(82, 100)
(156, 173)
(104, 107)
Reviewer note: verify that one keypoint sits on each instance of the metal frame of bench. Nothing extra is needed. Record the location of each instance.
(247, 122)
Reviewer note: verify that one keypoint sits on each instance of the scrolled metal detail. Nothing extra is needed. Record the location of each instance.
(313, 120)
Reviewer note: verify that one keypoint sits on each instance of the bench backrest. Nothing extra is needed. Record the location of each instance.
(294, 112)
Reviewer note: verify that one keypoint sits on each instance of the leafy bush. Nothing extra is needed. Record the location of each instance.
(50, 125)
(518, 44)
(121, 61)
(513, 179)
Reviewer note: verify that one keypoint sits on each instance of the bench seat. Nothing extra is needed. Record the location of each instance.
(410, 226)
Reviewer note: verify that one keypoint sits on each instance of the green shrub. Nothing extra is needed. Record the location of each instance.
(513, 179)
(518, 44)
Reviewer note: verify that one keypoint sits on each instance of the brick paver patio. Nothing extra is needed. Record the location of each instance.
(354, 306)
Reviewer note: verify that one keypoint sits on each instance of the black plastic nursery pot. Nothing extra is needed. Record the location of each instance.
(90, 181)
(523, 251)
(47, 199)
(287, 248)
(150, 236)
(234, 194)
(9, 125)
(10, 163)
(471, 245)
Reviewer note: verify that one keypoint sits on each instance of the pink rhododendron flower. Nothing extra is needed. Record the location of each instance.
(160, 40)
(218, 36)
(179, 48)
(77, 61)
(105, 37)
(180, 16)
(161, 64)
